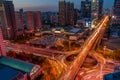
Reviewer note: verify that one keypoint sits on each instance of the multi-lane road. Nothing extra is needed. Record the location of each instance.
(104, 66)
(73, 69)
(33, 50)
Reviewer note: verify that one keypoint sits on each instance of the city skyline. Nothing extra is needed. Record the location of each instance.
(47, 5)
(58, 40)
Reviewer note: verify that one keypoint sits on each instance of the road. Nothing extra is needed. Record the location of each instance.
(104, 66)
(73, 69)
(33, 50)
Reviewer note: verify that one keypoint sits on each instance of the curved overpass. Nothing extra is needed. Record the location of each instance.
(73, 69)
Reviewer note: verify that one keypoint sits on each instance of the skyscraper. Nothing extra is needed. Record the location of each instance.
(97, 9)
(29, 20)
(86, 9)
(76, 15)
(117, 11)
(54, 19)
(66, 13)
(69, 13)
(7, 19)
(33, 20)
(20, 24)
(2, 46)
(62, 12)
(37, 20)
(23, 17)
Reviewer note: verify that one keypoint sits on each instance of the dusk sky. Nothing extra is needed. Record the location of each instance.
(49, 5)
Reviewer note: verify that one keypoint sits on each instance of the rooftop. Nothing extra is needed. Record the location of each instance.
(75, 30)
(17, 64)
(112, 76)
(11, 73)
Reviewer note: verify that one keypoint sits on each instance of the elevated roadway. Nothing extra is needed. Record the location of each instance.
(73, 69)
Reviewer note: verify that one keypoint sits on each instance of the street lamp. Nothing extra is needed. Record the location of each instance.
(101, 67)
(102, 64)
(8, 32)
(104, 49)
(113, 17)
(53, 57)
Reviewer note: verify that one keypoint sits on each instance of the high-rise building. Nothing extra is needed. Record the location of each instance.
(19, 24)
(2, 46)
(72, 14)
(29, 20)
(76, 15)
(62, 12)
(54, 19)
(97, 9)
(23, 17)
(37, 20)
(66, 13)
(86, 9)
(33, 20)
(21, 10)
(46, 17)
(117, 11)
(107, 11)
(7, 19)
(69, 13)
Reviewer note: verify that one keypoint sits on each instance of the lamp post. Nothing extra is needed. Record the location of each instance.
(8, 32)
(104, 49)
(102, 64)
(101, 67)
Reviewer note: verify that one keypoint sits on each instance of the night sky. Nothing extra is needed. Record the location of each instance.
(49, 5)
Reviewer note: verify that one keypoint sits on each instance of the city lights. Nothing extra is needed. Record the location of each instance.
(59, 40)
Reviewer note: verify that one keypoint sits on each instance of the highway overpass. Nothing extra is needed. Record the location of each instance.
(73, 69)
